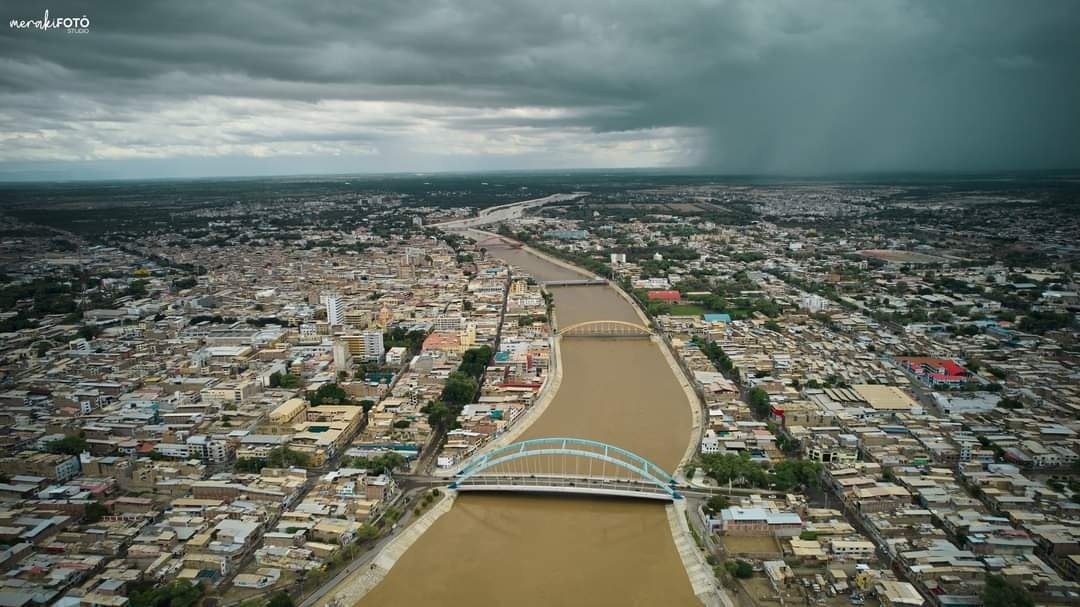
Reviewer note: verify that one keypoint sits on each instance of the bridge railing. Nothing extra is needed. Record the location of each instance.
(606, 328)
(566, 465)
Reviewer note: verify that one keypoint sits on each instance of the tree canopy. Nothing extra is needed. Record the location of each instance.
(474, 361)
(179, 593)
(716, 503)
(328, 394)
(459, 390)
(280, 599)
(380, 464)
(791, 473)
(759, 402)
(283, 457)
(287, 381)
(70, 445)
(999, 592)
(737, 469)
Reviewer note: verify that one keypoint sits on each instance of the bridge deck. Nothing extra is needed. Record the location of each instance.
(567, 465)
(606, 328)
(567, 484)
(572, 283)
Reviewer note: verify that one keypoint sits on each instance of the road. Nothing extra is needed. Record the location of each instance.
(504, 212)
(405, 501)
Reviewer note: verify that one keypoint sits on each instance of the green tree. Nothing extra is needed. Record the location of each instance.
(248, 464)
(94, 512)
(136, 289)
(179, 593)
(759, 402)
(792, 473)
(739, 568)
(280, 599)
(474, 361)
(1000, 592)
(185, 283)
(290, 381)
(459, 390)
(70, 445)
(287, 381)
(366, 532)
(328, 394)
(284, 457)
(716, 503)
(1010, 403)
(736, 469)
(384, 463)
(438, 415)
(88, 331)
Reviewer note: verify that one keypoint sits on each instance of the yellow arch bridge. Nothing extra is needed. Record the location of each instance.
(606, 328)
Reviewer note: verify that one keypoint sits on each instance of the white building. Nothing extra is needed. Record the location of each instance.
(207, 449)
(449, 323)
(335, 308)
(175, 450)
(396, 355)
(711, 443)
(374, 351)
(812, 303)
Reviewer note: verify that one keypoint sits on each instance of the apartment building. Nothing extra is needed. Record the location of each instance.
(367, 346)
(54, 466)
(335, 308)
(207, 449)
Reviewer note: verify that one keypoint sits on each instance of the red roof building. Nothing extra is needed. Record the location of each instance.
(934, 371)
(668, 296)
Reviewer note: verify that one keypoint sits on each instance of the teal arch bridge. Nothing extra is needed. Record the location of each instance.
(567, 465)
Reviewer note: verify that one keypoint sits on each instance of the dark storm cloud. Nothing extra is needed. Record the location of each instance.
(789, 87)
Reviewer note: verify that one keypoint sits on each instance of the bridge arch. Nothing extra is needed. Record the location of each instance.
(544, 465)
(605, 328)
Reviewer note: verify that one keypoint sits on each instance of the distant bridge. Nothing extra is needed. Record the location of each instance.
(606, 328)
(498, 242)
(567, 465)
(574, 283)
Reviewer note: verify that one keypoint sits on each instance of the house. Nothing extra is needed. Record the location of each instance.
(934, 371)
(759, 521)
(898, 594)
(666, 296)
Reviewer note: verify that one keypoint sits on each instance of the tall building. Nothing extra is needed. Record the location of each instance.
(367, 346)
(335, 308)
(812, 303)
(373, 346)
(342, 356)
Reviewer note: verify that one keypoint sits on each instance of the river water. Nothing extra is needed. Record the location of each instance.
(493, 550)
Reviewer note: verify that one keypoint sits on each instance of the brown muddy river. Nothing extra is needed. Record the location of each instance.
(493, 550)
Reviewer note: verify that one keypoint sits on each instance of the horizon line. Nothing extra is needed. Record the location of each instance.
(687, 171)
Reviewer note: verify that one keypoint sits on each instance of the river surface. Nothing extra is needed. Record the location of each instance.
(493, 550)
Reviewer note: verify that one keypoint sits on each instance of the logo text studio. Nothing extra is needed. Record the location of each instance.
(70, 25)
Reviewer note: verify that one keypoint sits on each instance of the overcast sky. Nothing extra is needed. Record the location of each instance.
(192, 87)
